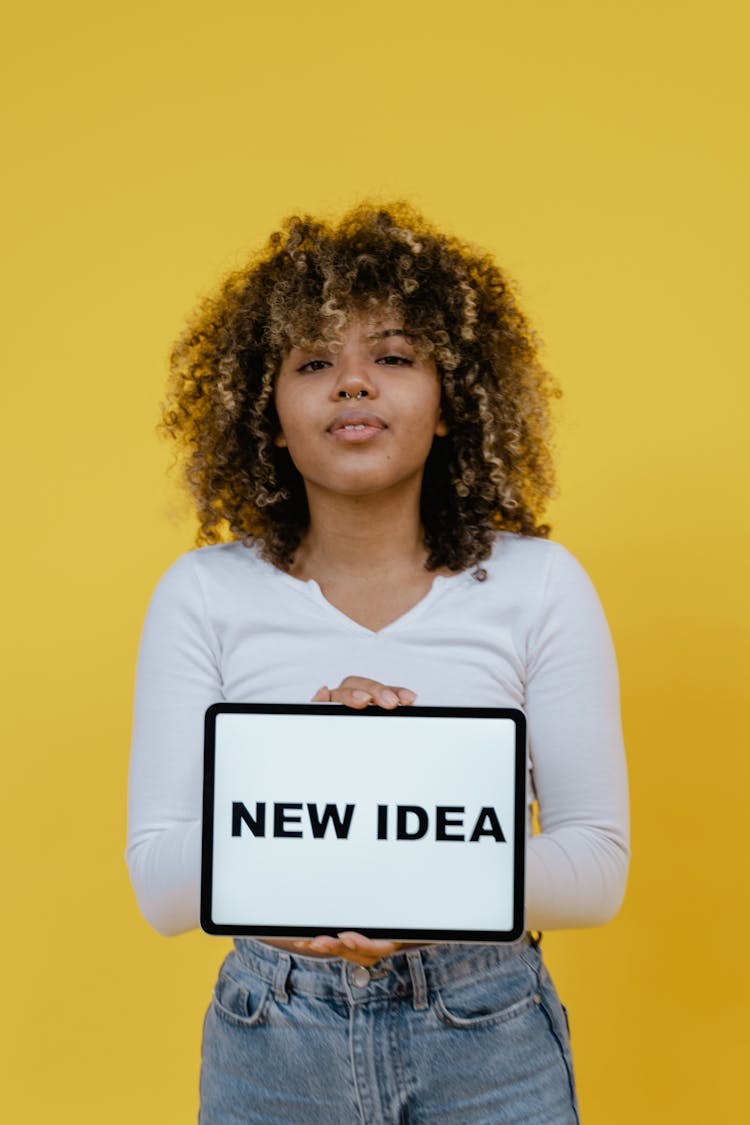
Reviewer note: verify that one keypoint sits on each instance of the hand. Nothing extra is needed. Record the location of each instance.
(350, 946)
(359, 692)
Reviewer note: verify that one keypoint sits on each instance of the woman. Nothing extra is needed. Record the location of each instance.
(362, 409)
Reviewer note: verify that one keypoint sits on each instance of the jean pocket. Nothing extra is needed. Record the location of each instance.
(241, 1003)
(487, 1001)
(553, 1006)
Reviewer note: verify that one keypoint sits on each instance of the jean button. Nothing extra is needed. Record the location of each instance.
(360, 977)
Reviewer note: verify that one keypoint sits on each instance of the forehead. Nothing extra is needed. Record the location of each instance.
(371, 327)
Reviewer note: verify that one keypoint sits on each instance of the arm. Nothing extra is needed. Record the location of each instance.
(177, 678)
(577, 866)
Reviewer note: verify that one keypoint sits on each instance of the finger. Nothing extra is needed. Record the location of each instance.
(355, 698)
(322, 695)
(363, 691)
(355, 948)
(331, 947)
(359, 692)
(358, 943)
(303, 945)
(405, 695)
(323, 943)
(366, 959)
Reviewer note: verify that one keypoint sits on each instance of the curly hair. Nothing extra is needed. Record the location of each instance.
(493, 471)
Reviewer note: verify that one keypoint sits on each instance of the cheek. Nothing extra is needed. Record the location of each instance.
(295, 436)
(286, 414)
(293, 443)
(424, 416)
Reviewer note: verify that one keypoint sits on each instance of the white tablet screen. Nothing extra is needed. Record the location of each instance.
(408, 824)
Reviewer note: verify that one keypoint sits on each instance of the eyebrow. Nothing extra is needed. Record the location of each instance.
(391, 332)
(371, 336)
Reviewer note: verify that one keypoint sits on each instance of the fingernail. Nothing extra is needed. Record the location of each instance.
(389, 697)
(360, 696)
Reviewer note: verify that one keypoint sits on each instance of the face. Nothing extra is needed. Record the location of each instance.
(359, 416)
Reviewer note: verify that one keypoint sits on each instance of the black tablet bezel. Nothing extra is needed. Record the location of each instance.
(349, 714)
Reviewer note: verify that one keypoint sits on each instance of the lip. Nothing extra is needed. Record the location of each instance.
(373, 424)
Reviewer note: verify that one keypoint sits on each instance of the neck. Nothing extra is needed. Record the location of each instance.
(351, 536)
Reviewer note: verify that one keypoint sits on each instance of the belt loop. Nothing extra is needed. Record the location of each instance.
(418, 981)
(281, 978)
(535, 937)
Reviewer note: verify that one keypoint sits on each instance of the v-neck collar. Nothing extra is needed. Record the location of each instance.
(310, 588)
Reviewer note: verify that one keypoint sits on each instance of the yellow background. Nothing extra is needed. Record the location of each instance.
(596, 148)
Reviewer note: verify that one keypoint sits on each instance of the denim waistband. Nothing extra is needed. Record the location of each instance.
(412, 971)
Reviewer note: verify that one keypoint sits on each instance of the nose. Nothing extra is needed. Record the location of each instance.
(354, 380)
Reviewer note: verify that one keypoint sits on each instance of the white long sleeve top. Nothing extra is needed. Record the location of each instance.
(223, 624)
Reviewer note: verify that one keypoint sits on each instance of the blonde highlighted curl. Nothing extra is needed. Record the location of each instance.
(493, 471)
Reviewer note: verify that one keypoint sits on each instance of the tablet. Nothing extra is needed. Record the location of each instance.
(405, 824)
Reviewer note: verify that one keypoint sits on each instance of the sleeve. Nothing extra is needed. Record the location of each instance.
(577, 865)
(178, 676)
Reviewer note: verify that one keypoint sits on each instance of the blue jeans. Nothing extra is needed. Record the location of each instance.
(446, 1034)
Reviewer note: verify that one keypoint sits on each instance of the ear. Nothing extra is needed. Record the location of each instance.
(441, 429)
(280, 440)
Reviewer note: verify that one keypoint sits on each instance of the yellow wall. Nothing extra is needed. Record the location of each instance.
(596, 148)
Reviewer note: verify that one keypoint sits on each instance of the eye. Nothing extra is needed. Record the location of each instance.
(395, 361)
(314, 365)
